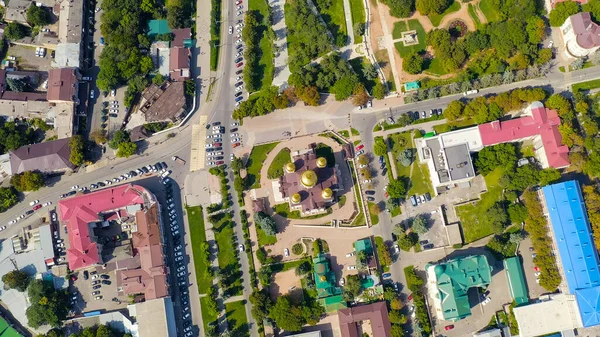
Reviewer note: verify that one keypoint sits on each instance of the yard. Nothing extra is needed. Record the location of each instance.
(399, 27)
(437, 18)
(198, 235)
(357, 9)
(263, 238)
(404, 51)
(255, 163)
(469, 213)
(276, 167)
(265, 64)
(435, 67)
(334, 17)
(487, 8)
(419, 176)
(593, 84)
(236, 318)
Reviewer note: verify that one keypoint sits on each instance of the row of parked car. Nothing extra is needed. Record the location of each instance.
(180, 266)
(239, 55)
(416, 200)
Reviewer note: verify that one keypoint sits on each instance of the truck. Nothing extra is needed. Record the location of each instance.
(178, 160)
(470, 92)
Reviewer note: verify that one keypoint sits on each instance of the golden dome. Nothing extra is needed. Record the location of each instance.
(289, 167)
(327, 193)
(296, 198)
(321, 162)
(309, 178)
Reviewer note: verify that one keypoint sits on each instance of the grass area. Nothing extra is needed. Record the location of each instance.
(419, 177)
(255, 163)
(399, 27)
(374, 216)
(198, 235)
(562, 69)
(284, 211)
(207, 316)
(435, 67)
(441, 128)
(358, 65)
(264, 239)
(588, 85)
(357, 10)
(419, 180)
(380, 244)
(487, 8)
(400, 142)
(276, 168)
(285, 266)
(359, 220)
(436, 19)
(334, 17)
(404, 51)
(396, 211)
(473, 14)
(266, 66)
(344, 133)
(354, 132)
(227, 252)
(469, 213)
(236, 318)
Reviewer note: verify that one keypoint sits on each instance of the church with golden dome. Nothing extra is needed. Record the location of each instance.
(308, 183)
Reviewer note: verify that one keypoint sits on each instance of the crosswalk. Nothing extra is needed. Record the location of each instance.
(198, 152)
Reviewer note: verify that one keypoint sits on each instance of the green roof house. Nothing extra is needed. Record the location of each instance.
(328, 293)
(516, 280)
(452, 280)
(156, 27)
(364, 244)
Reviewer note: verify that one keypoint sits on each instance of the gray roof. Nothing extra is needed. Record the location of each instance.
(459, 162)
(45, 157)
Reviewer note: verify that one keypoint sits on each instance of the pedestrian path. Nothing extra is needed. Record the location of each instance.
(349, 28)
(282, 70)
(197, 157)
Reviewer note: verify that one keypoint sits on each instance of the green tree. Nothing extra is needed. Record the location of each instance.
(266, 223)
(427, 7)
(158, 79)
(413, 281)
(396, 331)
(27, 181)
(344, 87)
(126, 149)
(380, 147)
(48, 306)
(419, 225)
(500, 155)
(559, 103)
(261, 304)
(8, 198)
(16, 279)
(495, 217)
(517, 213)
(562, 11)
(454, 111)
(76, 144)
(413, 64)
(309, 95)
(406, 242)
(400, 8)
(285, 315)
(352, 288)
(15, 31)
(396, 188)
(378, 90)
(120, 136)
(548, 176)
(397, 318)
(37, 16)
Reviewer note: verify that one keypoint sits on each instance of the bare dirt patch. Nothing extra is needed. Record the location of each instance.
(283, 283)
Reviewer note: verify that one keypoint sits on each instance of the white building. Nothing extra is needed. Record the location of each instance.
(580, 34)
(560, 313)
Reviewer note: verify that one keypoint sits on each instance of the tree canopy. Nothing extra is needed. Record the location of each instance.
(427, 7)
(27, 181)
(419, 224)
(500, 155)
(266, 223)
(413, 63)
(380, 147)
(562, 11)
(400, 8)
(76, 144)
(37, 16)
(16, 279)
(15, 31)
(8, 198)
(396, 188)
(48, 306)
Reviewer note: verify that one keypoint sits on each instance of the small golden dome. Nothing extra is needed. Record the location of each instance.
(321, 162)
(289, 167)
(327, 193)
(309, 178)
(296, 198)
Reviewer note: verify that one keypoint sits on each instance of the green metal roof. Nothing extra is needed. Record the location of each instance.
(364, 244)
(454, 279)
(6, 330)
(333, 303)
(516, 280)
(156, 27)
(324, 278)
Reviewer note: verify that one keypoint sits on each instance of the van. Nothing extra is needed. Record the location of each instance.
(166, 174)
(413, 201)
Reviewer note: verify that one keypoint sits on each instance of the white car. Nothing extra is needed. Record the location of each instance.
(351, 267)
(113, 93)
(486, 301)
(350, 254)
(286, 252)
(235, 124)
(240, 88)
(241, 248)
(207, 146)
(12, 222)
(238, 41)
(75, 187)
(235, 135)
(92, 94)
(366, 181)
(34, 202)
(116, 180)
(235, 140)
(48, 203)
(97, 9)
(230, 30)
(218, 153)
(113, 111)
(238, 78)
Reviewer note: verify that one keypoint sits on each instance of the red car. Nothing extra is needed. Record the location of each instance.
(36, 207)
(386, 194)
(360, 147)
(235, 145)
(410, 297)
(239, 64)
(216, 144)
(449, 327)
(220, 162)
(536, 268)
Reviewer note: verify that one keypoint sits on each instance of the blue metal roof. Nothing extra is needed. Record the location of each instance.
(576, 247)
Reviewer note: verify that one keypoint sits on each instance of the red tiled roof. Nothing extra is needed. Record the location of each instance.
(376, 313)
(62, 84)
(77, 212)
(557, 1)
(543, 122)
(587, 32)
(179, 63)
(179, 35)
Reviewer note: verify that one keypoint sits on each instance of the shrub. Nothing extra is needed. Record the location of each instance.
(297, 249)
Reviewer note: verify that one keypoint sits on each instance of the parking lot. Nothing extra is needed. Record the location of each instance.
(102, 282)
(26, 59)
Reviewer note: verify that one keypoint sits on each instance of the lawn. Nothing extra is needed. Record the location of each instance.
(198, 235)
(399, 27)
(470, 213)
(276, 168)
(380, 244)
(227, 252)
(281, 267)
(334, 17)
(236, 318)
(374, 216)
(413, 24)
(437, 18)
(358, 65)
(487, 8)
(359, 220)
(474, 16)
(264, 239)
(207, 317)
(357, 9)
(344, 133)
(419, 180)
(435, 67)
(266, 66)
(255, 163)
(593, 84)
(354, 132)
